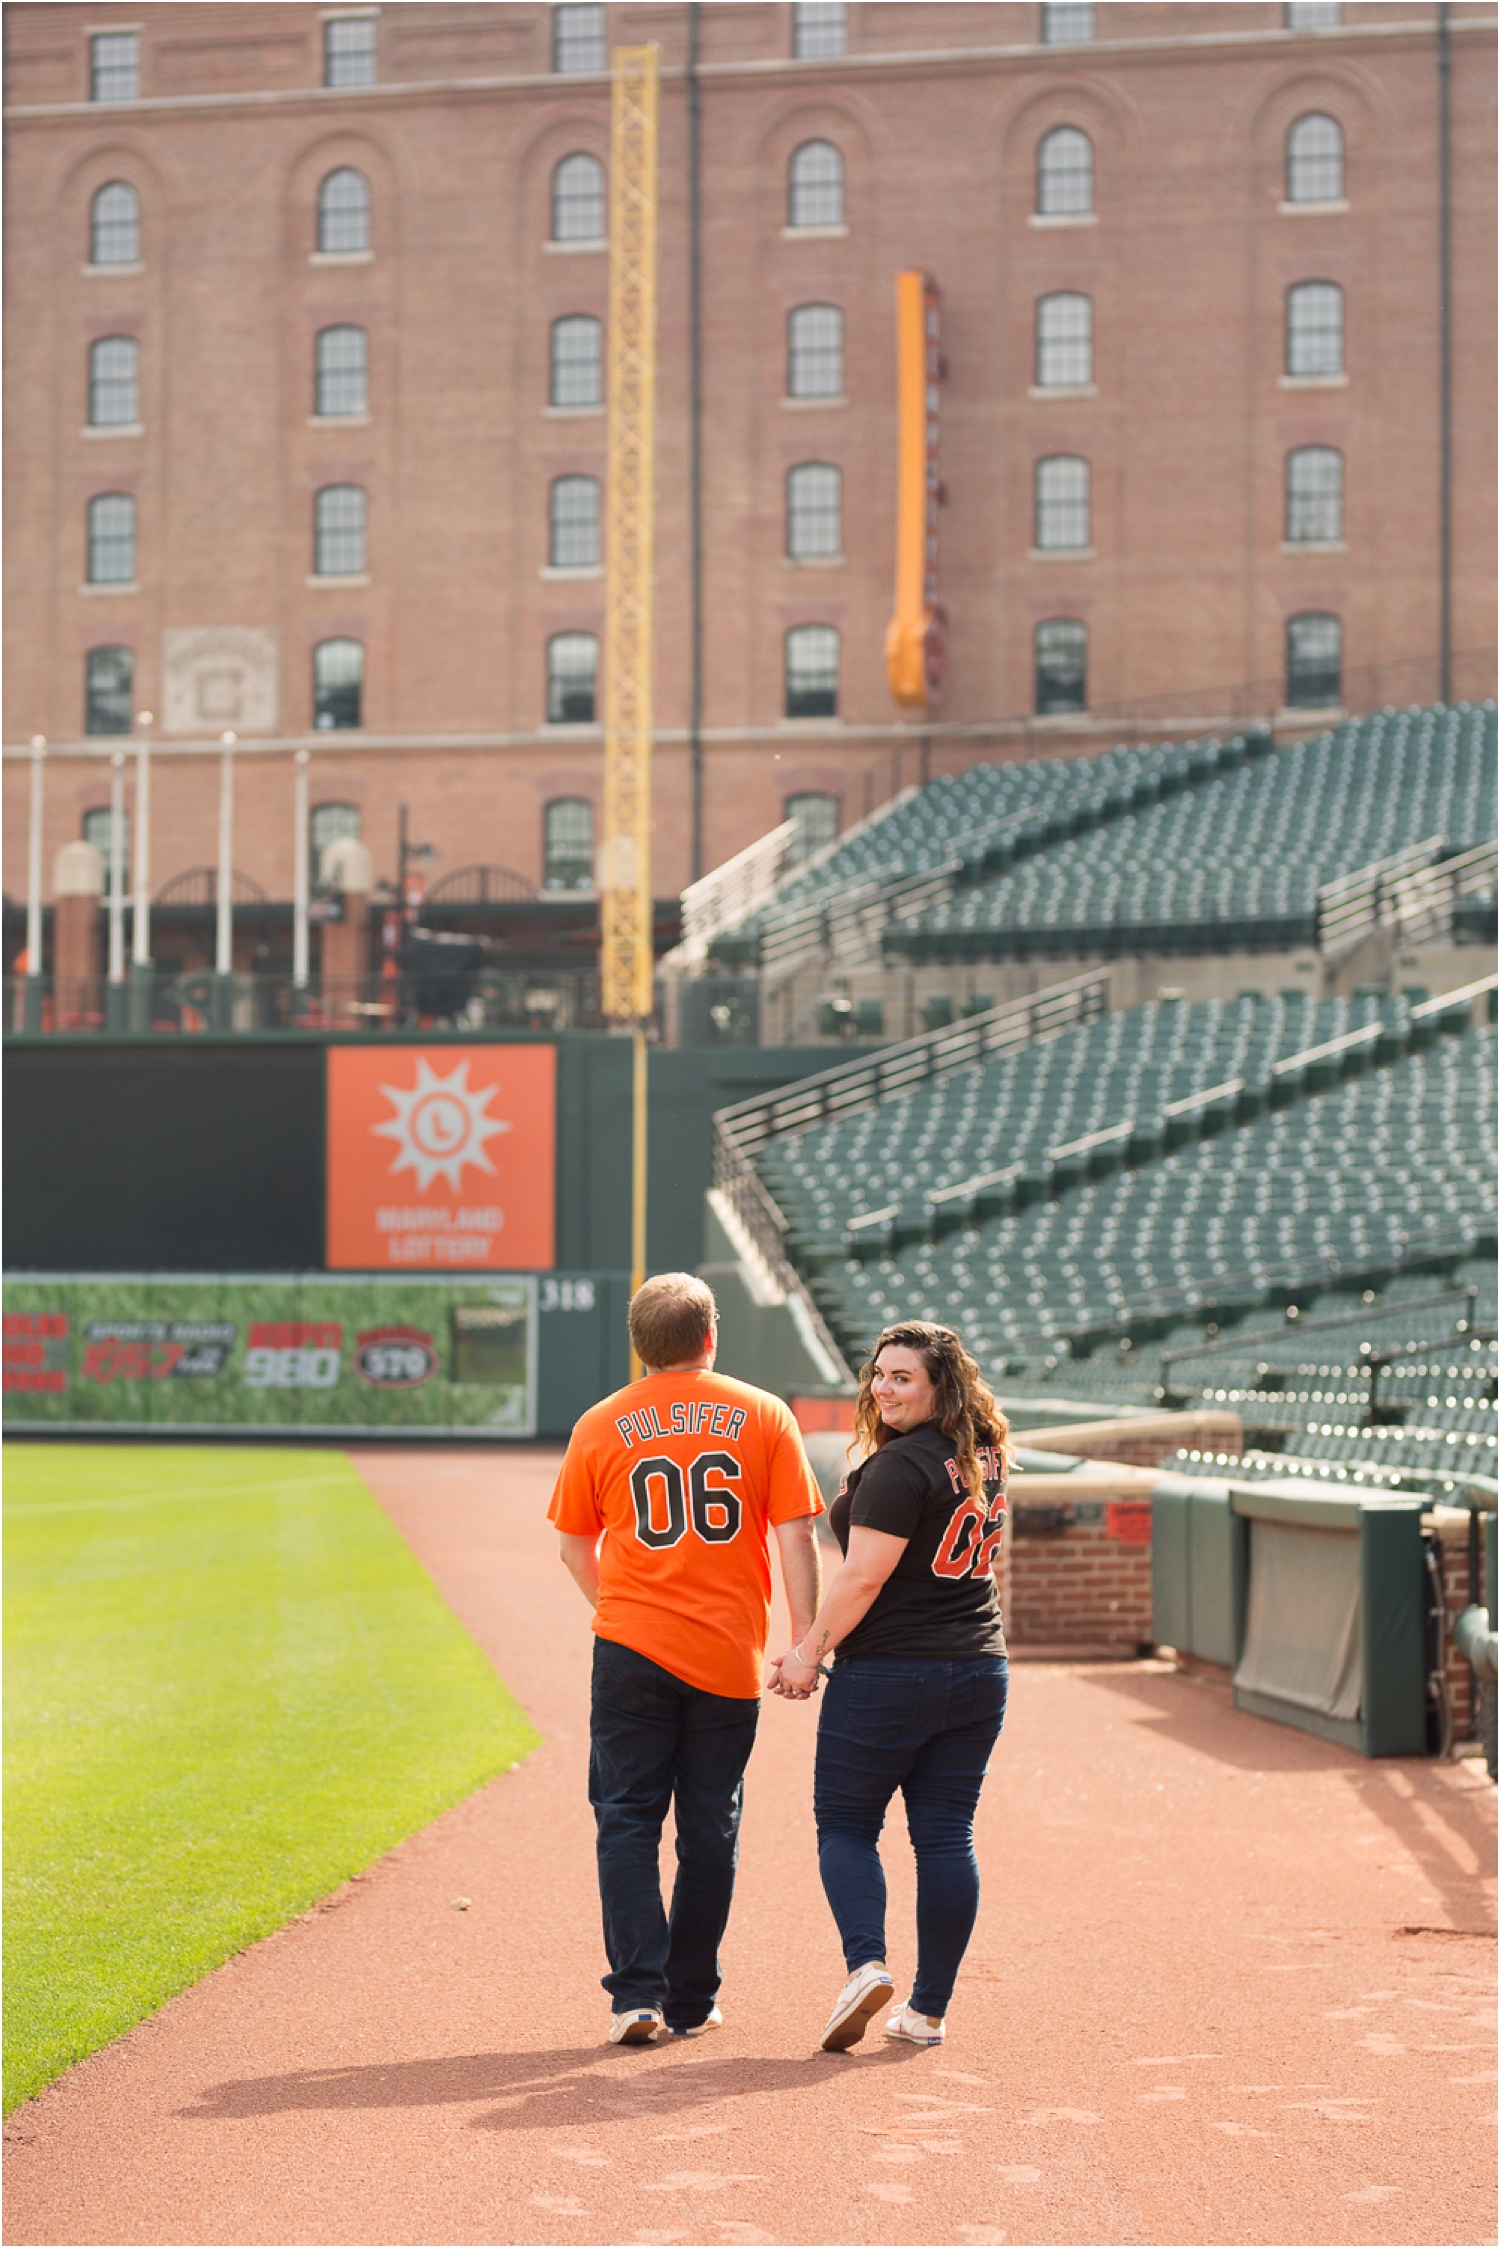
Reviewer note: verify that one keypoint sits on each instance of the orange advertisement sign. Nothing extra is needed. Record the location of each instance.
(441, 1158)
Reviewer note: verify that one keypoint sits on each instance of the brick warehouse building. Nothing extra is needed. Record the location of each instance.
(305, 437)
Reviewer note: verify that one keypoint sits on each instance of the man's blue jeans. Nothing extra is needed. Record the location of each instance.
(927, 1728)
(657, 1742)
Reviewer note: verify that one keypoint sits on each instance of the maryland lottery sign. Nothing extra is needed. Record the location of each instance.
(440, 1159)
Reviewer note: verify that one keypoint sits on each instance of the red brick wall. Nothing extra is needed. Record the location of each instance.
(1078, 1587)
(1186, 588)
(1460, 1676)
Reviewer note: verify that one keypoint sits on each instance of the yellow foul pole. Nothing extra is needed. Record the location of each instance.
(626, 958)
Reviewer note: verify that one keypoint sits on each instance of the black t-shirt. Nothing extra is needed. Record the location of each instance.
(940, 1600)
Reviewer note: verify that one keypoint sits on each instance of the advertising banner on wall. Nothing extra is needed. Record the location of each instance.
(237, 1354)
(441, 1160)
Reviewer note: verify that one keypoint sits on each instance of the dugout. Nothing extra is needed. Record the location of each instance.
(1316, 1601)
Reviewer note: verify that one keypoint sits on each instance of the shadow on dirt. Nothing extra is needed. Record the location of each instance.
(578, 2085)
(1443, 1819)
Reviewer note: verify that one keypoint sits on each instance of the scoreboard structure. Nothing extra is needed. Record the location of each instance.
(511, 1355)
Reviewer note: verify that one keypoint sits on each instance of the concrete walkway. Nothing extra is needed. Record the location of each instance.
(1229, 1984)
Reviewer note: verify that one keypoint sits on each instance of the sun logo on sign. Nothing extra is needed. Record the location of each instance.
(440, 1126)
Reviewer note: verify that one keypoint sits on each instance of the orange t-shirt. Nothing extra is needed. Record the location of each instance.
(686, 1474)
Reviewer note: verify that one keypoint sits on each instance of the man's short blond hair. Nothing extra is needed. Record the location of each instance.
(671, 1318)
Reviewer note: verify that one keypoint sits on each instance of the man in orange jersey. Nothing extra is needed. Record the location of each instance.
(664, 1509)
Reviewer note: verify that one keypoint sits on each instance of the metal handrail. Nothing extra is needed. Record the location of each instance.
(1351, 903)
(977, 1185)
(1091, 1140)
(1190, 1101)
(1424, 901)
(1364, 1036)
(1447, 999)
(731, 891)
(1326, 1271)
(873, 1217)
(736, 1178)
(1240, 1343)
(851, 1086)
(830, 924)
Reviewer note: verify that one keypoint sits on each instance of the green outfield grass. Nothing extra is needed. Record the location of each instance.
(229, 1687)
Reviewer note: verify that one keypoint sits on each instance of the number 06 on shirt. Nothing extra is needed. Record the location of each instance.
(686, 1474)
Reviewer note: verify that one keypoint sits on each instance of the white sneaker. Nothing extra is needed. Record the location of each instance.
(636, 2026)
(713, 2019)
(921, 2029)
(866, 1991)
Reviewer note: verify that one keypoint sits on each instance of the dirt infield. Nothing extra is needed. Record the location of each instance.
(1229, 1984)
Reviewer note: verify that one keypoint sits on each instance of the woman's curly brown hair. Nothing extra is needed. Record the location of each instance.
(964, 1407)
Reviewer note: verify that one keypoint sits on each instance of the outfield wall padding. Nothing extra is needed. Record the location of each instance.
(295, 1354)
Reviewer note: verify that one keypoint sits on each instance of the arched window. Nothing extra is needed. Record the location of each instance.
(111, 539)
(1064, 173)
(329, 823)
(812, 671)
(1315, 328)
(114, 383)
(99, 829)
(1315, 160)
(342, 385)
(1062, 503)
(578, 200)
(338, 685)
(1064, 342)
(568, 844)
(817, 820)
(1314, 494)
(339, 531)
(1062, 647)
(108, 691)
(815, 185)
(815, 351)
(1314, 661)
(573, 523)
(344, 213)
(814, 512)
(115, 226)
(818, 29)
(577, 372)
(572, 678)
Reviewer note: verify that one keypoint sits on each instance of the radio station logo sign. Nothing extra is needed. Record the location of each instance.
(154, 1350)
(36, 1350)
(441, 1158)
(293, 1354)
(396, 1358)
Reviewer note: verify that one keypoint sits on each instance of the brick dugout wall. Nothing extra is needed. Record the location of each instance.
(1077, 1563)
(1077, 1568)
(1452, 1526)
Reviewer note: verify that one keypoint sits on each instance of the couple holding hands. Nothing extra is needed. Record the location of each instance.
(665, 1506)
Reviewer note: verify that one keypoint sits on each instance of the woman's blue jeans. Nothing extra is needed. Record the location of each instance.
(927, 1728)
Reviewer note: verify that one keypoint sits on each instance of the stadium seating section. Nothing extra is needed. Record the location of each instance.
(1197, 846)
(1354, 1185)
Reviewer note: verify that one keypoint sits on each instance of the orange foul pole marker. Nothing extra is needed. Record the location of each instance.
(915, 640)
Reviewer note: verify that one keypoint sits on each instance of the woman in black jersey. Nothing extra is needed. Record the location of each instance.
(916, 1697)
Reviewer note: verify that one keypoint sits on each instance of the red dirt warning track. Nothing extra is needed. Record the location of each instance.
(1229, 1984)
